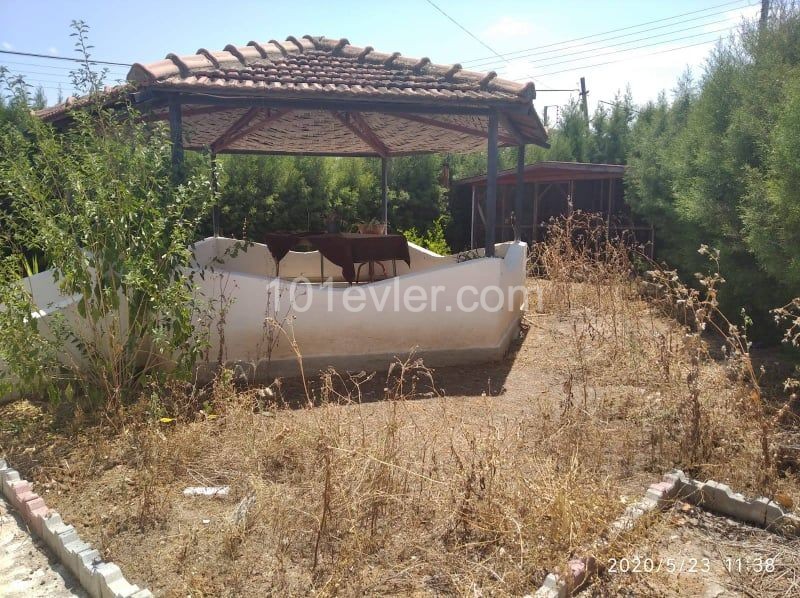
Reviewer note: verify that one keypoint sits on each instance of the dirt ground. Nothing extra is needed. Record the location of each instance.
(489, 477)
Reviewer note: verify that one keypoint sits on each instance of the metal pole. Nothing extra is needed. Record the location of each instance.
(491, 185)
(519, 198)
(385, 192)
(176, 136)
(472, 221)
(214, 189)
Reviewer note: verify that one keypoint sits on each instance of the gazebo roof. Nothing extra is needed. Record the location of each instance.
(316, 95)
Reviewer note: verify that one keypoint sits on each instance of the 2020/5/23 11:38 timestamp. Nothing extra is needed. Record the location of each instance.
(637, 564)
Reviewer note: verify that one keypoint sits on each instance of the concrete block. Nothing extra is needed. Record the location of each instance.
(52, 526)
(86, 562)
(105, 574)
(9, 476)
(68, 536)
(71, 559)
(120, 588)
(3, 465)
(145, 593)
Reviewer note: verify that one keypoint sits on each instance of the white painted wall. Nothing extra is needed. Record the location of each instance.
(327, 334)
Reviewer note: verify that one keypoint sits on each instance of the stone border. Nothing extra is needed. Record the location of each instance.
(100, 579)
(712, 496)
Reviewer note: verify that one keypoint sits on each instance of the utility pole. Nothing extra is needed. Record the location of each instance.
(584, 93)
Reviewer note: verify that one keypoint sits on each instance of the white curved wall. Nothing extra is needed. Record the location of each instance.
(392, 321)
(387, 325)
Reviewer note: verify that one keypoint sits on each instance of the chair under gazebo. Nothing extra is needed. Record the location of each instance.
(324, 97)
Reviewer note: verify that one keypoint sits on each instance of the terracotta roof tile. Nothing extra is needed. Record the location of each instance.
(320, 62)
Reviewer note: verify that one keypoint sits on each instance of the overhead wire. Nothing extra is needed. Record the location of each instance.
(635, 26)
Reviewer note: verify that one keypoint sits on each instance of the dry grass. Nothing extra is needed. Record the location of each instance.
(461, 481)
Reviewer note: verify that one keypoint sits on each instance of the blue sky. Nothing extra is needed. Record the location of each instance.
(146, 30)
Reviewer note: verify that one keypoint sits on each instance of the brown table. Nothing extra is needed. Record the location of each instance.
(343, 249)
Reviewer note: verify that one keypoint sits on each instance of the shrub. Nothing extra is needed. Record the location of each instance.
(97, 203)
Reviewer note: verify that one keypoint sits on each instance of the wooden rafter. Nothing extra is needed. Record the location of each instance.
(454, 127)
(250, 121)
(355, 122)
(509, 126)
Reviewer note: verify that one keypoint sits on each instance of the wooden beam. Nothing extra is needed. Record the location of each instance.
(267, 117)
(250, 121)
(176, 136)
(375, 141)
(187, 113)
(491, 185)
(509, 126)
(453, 127)
(352, 105)
(361, 129)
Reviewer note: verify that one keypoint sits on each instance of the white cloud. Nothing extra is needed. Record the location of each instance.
(508, 27)
(53, 50)
(7, 46)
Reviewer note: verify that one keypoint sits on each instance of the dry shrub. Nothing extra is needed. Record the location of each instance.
(397, 496)
(699, 396)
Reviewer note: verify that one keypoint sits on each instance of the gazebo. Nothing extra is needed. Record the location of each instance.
(324, 97)
(321, 96)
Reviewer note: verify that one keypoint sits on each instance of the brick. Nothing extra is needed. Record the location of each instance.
(16, 490)
(580, 571)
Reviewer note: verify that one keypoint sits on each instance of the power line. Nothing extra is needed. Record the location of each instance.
(52, 67)
(661, 43)
(609, 31)
(596, 48)
(91, 61)
(61, 75)
(468, 32)
(586, 66)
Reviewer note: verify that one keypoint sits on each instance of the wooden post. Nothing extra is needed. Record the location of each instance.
(176, 136)
(610, 205)
(214, 189)
(491, 185)
(535, 212)
(472, 221)
(520, 196)
(385, 192)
